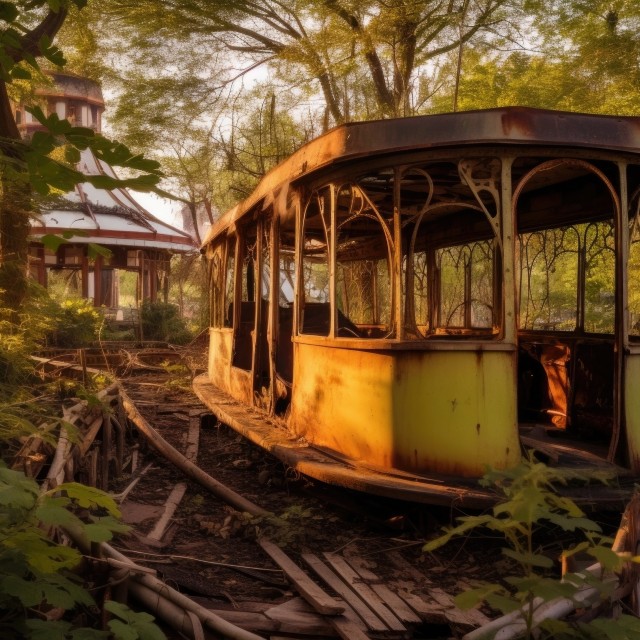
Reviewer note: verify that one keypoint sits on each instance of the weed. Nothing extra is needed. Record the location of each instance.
(529, 503)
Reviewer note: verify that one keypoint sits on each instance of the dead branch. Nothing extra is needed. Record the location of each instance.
(186, 466)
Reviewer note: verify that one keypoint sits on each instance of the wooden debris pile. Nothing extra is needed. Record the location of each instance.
(90, 449)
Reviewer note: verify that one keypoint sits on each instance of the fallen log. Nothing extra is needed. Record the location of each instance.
(140, 576)
(159, 588)
(186, 466)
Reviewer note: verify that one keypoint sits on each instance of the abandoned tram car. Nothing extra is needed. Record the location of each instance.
(402, 303)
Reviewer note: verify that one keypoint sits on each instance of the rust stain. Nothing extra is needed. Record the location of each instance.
(518, 123)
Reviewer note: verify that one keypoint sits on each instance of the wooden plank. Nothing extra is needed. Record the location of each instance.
(170, 507)
(32, 456)
(399, 607)
(308, 589)
(432, 603)
(347, 627)
(89, 436)
(368, 617)
(469, 618)
(429, 612)
(366, 594)
(193, 438)
(296, 617)
(407, 569)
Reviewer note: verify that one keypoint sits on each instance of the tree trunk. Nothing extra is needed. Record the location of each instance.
(15, 207)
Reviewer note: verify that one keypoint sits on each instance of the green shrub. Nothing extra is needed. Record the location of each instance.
(530, 503)
(76, 323)
(37, 574)
(162, 321)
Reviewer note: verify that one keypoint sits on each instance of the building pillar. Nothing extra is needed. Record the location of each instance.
(84, 276)
(97, 281)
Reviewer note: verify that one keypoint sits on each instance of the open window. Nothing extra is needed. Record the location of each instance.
(364, 258)
(315, 307)
(633, 278)
(450, 217)
(249, 295)
(565, 212)
(228, 283)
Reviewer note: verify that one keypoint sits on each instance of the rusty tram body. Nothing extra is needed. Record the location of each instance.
(402, 303)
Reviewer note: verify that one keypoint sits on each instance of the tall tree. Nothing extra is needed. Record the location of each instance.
(19, 44)
(26, 166)
(328, 41)
(586, 57)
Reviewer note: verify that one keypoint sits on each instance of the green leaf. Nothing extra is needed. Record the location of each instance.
(503, 603)
(577, 549)
(71, 154)
(50, 51)
(549, 589)
(122, 631)
(52, 241)
(141, 625)
(561, 629)
(529, 559)
(20, 73)
(88, 497)
(26, 591)
(624, 628)
(472, 597)
(94, 250)
(55, 512)
(608, 558)
(60, 591)
(48, 629)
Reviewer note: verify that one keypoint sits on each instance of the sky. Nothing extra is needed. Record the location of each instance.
(167, 210)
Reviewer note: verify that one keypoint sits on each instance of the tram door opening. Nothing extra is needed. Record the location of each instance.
(565, 215)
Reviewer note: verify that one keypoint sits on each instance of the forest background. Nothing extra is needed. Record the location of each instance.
(220, 91)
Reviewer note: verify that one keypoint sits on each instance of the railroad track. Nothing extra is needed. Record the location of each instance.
(314, 563)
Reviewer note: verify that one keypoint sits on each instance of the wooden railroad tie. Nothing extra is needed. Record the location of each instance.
(364, 606)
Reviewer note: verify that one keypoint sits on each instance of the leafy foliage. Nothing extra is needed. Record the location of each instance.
(530, 502)
(162, 321)
(130, 625)
(35, 572)
(76, 323)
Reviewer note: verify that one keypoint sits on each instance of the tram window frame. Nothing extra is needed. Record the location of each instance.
(248, 294)
(364, 256)
(315, 266)
(450, 205)
(464, 317)
(581, 224)
(216, 286)
(633, 265)
(229, 282)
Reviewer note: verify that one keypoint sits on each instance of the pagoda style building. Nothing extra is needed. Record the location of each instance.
(138, 242)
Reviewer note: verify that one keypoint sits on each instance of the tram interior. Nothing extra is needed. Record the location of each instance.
(566, 286)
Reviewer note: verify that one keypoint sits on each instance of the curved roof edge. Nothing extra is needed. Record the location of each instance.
(506, 125)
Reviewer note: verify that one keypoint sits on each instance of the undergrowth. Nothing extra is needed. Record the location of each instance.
(529, 504)
(42, 595)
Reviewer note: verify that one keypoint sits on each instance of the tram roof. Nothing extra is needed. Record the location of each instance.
(501, 126)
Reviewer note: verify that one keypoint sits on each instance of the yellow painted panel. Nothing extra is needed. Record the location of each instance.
(632, 409)
(220, 347)
(422, 411)
(342, 400)
(455, 411)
